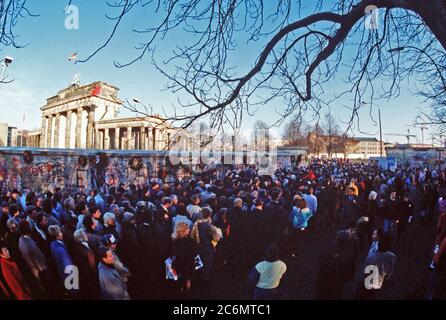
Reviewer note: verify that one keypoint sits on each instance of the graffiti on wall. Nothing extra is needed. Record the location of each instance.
(41, 172)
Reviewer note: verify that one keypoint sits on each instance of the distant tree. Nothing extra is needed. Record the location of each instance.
(332, 132)
(294, 133)
(316, 142)
(347, 145)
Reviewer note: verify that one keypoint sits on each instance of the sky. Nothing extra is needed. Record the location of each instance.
(41, 69)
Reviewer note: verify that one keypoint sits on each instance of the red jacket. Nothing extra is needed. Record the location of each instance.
(13, 279)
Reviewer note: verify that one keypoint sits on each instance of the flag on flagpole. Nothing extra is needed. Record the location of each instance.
(96, 91)
(72, 57)
(23, 120)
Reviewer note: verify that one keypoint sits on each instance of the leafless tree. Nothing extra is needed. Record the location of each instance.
(300, 52)
(316, 139)
(332, 132)
(10, 13)
(303, 45)
(347, 145)
(294, 133)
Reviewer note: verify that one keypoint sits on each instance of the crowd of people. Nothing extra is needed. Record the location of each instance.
(163, 240)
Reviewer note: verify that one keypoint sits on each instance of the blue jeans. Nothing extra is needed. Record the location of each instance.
(387, 225)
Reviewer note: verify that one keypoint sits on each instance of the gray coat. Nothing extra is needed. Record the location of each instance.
(33, 256)
(112, 285)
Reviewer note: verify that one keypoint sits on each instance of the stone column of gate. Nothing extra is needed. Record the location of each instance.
(117, 138)
(90, 127)
(136, 140)
(147, 139)
(129, 138)
(142, 138)
(68, 130)
(106, 138)
(97, 143)
(49, 131)
(56, 131)
(154, 138)
(78, 128)
(42, 142)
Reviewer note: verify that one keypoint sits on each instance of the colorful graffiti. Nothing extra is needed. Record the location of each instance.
(40, 171)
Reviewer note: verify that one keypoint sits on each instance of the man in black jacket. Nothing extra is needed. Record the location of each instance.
(390, 211)
(278, 221)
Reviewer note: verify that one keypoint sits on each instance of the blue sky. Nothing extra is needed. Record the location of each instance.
(41, 69)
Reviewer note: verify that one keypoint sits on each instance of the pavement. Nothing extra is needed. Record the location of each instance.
(409, 280)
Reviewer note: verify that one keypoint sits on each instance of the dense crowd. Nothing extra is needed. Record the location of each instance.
(163, 240)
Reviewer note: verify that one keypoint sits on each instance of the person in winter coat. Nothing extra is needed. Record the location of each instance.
(89, 225)
(337, 267)
(404, 212)
(33, 256)
(110, 225)
(206, 236)
(12, 281)
(111, 243)
(184, 249)
(146, 249)
(350, 207)
(128, 252)
(372, 209)
(390, 211)
(84, 258)
(239, 236)
(113, 286)
(300, 216)
(60, 254)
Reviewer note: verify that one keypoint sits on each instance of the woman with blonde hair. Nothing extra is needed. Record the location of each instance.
(184, 249)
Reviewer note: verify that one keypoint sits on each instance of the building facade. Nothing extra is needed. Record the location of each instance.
(369, 147)
(10, 136)
(85, 117)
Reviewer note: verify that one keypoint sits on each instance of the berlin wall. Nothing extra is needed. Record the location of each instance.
(40, 169)
(45, 169)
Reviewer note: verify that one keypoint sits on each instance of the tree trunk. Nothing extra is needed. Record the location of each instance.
(433, 13)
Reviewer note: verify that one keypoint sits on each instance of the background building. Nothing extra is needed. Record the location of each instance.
(368, 147)
(85, 117)
(11, 136)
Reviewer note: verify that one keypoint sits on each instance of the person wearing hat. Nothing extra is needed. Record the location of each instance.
(110, 242)
(113, 285)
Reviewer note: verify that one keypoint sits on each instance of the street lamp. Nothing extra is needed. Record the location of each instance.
(136, 100)
(5, 63)
(380, 128)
